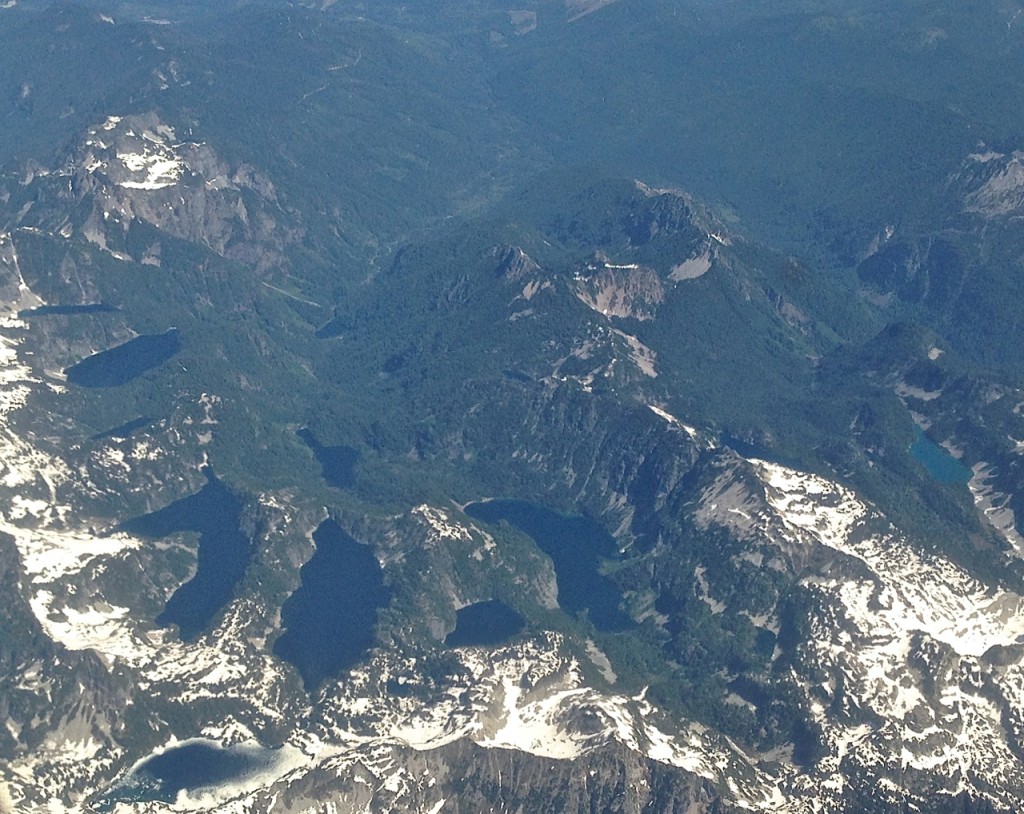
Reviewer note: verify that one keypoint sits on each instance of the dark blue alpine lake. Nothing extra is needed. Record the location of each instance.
(485, 624)
(329, 620)
(120, 364)
(224, 553)
(577, 546)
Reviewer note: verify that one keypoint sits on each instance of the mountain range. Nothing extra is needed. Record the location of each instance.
(581, 406)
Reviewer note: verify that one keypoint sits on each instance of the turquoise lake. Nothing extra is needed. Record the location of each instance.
(942, 466)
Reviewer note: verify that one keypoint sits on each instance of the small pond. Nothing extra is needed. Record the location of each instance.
(337, 463)
(939, 463)
(485, 624)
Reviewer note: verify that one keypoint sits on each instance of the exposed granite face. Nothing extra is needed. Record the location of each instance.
(465, 778)
(53, 700)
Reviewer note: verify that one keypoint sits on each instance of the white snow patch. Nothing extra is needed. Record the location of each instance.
(994, 506)
(531, 727)
(91, 629)
(160, 169)
(671, 419)
(913, 591)
(442, 527)
(904, 609)
(49, 555)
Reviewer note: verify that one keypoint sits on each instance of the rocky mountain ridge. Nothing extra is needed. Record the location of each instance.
(906, 654)
(695, 469)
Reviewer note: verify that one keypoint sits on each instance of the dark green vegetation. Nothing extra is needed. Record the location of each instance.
(413, 293)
